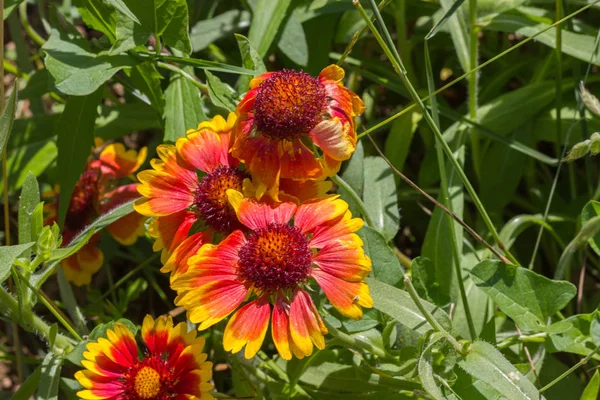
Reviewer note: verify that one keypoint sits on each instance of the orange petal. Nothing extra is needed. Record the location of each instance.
(332, 72)
(304, 190)
(128, 229)
(298, 162)
(314, 213)
(247, 327)
(259, 79)
(333, 138)
(346, 297)
(334, 230)
(280, 329)
(344, 259)
(80, 267)
(262, 159)
(205, 149)
(178, 262)
(118, 161)
(257, 215)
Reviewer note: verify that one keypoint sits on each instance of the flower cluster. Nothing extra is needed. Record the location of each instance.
(242, 216)
(96, 192)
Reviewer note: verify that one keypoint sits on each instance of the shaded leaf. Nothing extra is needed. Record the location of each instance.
(588, 230)
(50, 377)
(99, 15)
(223, 25)
(380, 196)
(28, 201)
(426, 368)
(266, 21)
(293, 41)
(8, 255)
(28, 387)
(147, 79)
(426, 282)
(591, 210)
(592, 389)
(75, 133)
(386, 267)
(183, 107)
(525, 296)
(6, 121)
(576, 339)
(221, 94)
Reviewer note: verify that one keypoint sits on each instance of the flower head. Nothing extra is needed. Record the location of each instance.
(96, 192)
(281, 249)
(172, 367)
(284, 115)
(189, 183)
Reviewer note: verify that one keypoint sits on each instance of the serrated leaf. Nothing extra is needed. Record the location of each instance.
(50, 377)
(399, 305)
(386, 267)
(75, 69)
(8, 255)
(525, 296)
(75, 132)
(484, 362)
(266, 21)
(380, 196)
(183, 107)
(221, 94)
(206, 65)
(250, 60)
(28, 201)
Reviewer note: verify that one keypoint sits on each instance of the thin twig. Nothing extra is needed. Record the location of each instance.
(474, 234)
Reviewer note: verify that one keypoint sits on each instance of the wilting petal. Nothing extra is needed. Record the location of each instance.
(334, 139)
(314, 213)
(345, 260)
(306, 326)
(346, 297)
(247, 327)
(298, 162)
(257, 215)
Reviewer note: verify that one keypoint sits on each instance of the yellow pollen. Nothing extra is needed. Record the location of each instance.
(147, 383)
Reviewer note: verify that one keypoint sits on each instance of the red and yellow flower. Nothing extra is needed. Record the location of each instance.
(285, 116)
(173, 366)
(175, 194)
(96, 192)
(279, 250)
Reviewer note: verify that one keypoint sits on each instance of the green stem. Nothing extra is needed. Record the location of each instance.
(473, 44)
(281, 374)
(430, 318)
(30, 321)
(184, 74)
(354, 343)
(480, 66)
(570, 370)
(355, 197)
(403, 43)
(25, 22)
(397, 64)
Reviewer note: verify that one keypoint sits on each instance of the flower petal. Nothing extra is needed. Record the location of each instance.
(248, 327)
(80, 267)
(169, 231)
(298, 162)
(334, 139)
(345, 260)
(115, 160)
(262, 159)
(332, 72)
(257, 215)
(177, 264)
(339, 229)
(346, 297)
(280, 329)
(314, 213)
(306, 326)
(304, 190)
(205, 149)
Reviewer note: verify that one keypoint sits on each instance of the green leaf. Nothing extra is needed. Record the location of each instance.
(293, 41)
(183, 107)
(380, 196)
(28, 387)
(458, 31)
(116, 121)
(397, 143)
(221, 94)
(354, 176)
(578, 45)
(484, 362)
(64, 252)
(6, 121)
(167, 19)
(426, 282)
(8, 255)
(525, 296)
(398, 304)
(147, 79)
(576, 339)
(426, 368)
(250, 60)
(75, 132)
(120, 6)
(99, 15)
(76, 355)
(588, 231)
(223, 25)
(386, 267)
(517, 225)
(34, 158)
(70, 303)
(29, 200)
(449, 13)
(50, 378)
(266, 20)
(592, 389)
(591, 210)
(75, 69)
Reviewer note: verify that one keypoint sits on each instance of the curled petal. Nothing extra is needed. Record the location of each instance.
(346, 297)
(333, 137)
(306, 326)
(247, 327)
(262, 159)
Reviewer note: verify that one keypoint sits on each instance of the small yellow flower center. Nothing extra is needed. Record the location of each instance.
(147, 383)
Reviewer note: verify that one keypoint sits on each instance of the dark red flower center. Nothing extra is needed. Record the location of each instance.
(289, 104)
(150, 378)
(81, 205)
(211, 197)
(275, 258)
